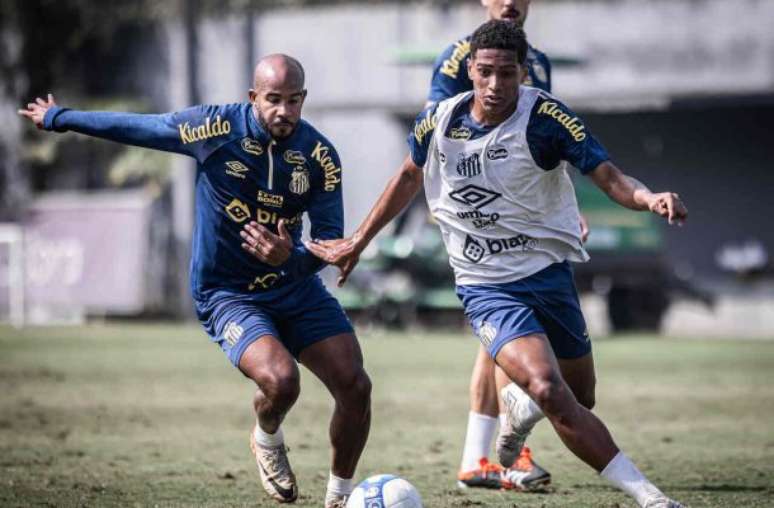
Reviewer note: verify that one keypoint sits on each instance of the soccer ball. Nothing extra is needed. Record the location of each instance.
(384, 491)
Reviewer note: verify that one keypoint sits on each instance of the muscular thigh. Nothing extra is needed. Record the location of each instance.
(235, 321)
(337, 361)
(267, 362)
(529, 360)
(579, 374)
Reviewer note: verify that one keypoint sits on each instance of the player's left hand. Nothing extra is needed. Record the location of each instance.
(266, 246)
(669, 206)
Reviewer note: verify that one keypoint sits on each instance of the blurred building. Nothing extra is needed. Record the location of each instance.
(681, 92)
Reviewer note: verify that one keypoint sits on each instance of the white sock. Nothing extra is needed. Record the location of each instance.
(268, 440)
(339, 486)
(622, 473)
(478, 440)
(527, 411)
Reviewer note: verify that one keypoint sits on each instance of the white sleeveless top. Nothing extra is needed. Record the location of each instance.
(502, 217)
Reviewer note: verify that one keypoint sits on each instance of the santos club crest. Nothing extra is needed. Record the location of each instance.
(299, 180)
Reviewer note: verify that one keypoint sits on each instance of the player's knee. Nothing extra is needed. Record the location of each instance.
(548, 392)
(281, 386)
(356, 393)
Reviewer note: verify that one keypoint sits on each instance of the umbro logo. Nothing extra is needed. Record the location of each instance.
(475, 196)
(236, 168)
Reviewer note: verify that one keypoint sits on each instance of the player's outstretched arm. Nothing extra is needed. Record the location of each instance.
(633, 194)
(345, 252)
(158, 131)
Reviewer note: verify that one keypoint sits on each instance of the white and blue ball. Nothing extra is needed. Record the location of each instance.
(384, 491)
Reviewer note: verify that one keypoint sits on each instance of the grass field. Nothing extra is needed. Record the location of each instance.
(154, 416)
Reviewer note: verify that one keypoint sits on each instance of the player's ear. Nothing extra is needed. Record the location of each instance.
(470, 65)
(252, 95)
(523, 73)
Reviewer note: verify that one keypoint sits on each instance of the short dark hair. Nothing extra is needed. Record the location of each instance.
(500, 34)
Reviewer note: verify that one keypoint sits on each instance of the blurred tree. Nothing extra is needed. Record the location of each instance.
(13, 187)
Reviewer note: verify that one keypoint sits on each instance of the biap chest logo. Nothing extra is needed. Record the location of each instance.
(475, 250)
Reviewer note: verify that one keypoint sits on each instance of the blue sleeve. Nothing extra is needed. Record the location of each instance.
(190, 132)
(450, 72)
(547, 67)
(326, 215)
(420, 136)
(555, 133)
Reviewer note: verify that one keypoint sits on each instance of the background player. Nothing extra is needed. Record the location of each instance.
(260, 167)
(513, 278)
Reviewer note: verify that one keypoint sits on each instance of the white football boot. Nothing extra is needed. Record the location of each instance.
(277, 478)
(662, 502)
(511, 438)
(335, 501)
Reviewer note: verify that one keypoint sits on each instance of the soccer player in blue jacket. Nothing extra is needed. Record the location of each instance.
(255, 286)
(450, 77)
(493, 163)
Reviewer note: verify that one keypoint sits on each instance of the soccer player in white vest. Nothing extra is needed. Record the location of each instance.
(450, 78)
(493, 165)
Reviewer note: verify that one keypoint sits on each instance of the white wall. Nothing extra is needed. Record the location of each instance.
(637, 54)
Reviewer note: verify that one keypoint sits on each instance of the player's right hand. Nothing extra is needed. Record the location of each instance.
(342, 253)
(36, 111)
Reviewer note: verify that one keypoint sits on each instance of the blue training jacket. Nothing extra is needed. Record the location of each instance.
(243, 174)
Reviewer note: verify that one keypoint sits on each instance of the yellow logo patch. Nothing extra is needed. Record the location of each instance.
(332, 173)
(572, 124)
(236, 168)
(267, 217)
(263, 281)
(267, 199)
(425, 127)
(238, 211)
(451, 66)
(210, 129)
(460, 133)
(294, 157)
(252, 146)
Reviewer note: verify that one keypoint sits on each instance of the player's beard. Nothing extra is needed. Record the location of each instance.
(288, 127)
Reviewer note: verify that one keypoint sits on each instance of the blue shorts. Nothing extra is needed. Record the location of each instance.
(298, 315)
(546, 302)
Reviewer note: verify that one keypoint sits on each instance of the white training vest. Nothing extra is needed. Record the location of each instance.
(502, 216)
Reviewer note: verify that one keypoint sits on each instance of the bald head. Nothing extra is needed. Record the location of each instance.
(278, 70)
(278, 94)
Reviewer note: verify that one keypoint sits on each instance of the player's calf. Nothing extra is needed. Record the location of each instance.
(522, 413)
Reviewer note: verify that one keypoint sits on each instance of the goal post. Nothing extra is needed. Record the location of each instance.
(12, 274)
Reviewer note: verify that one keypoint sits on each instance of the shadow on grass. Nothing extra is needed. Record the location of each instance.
(722, 488)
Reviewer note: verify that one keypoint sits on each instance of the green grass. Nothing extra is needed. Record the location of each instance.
(155, 416)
